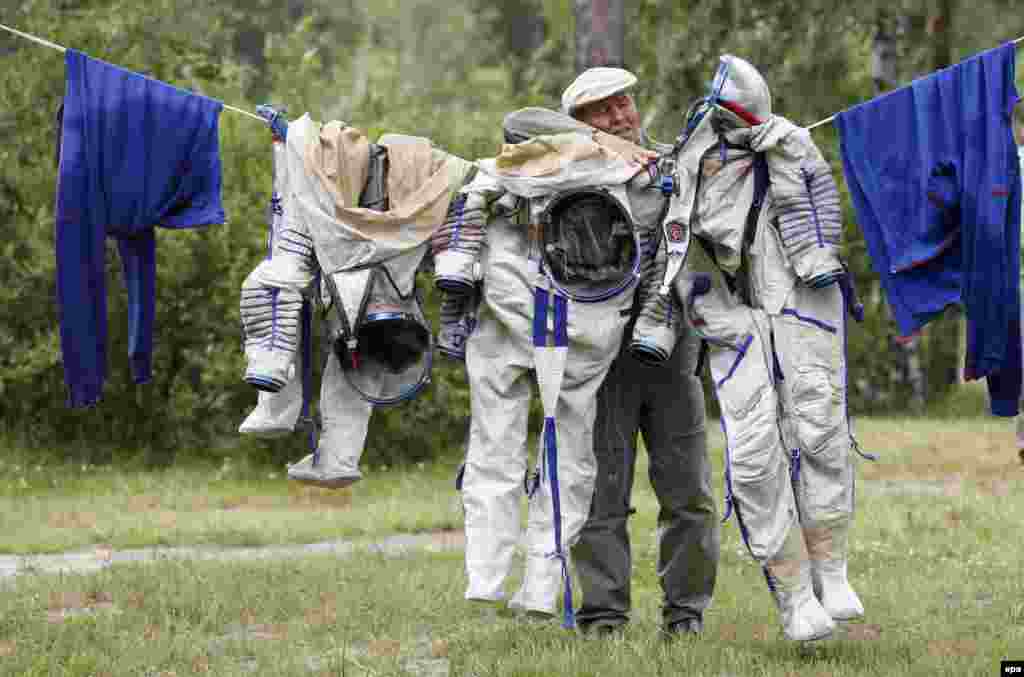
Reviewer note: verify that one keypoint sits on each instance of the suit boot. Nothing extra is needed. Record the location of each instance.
(789, 579)
(827, 547)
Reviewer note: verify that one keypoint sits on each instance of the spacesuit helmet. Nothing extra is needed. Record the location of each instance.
(589, 242)
(386, 348)
(739, 95)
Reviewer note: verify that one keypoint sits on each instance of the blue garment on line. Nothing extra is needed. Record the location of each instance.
(134, 153)
(933, 174)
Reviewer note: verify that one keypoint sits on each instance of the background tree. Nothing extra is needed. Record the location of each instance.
(600, 33)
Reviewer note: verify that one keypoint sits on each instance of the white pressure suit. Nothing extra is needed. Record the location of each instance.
(275, 315)
(505, 205)
(355, 252)
(764, 286)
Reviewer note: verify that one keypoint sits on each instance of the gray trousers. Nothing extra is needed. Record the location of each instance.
(666, 405)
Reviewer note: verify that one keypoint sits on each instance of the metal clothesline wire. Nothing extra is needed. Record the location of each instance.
(59, 48)
(47, 43)
(832, 117)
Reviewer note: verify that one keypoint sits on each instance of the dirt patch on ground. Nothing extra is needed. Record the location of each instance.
(383, 647)
(996, 487)
(858, 632)
(143, 502)
(985, 453)
(65, 604)
(449, 539)
(861, 632)
(953, 647)
(71, 520)
(731, 632)
(305, 496)
(249, 502)
(298, 498)
(249, 627)
(74, 600)
(136, 600)
(325, 614)
(266, 632)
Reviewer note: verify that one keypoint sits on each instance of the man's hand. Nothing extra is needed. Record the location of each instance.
(629, 151)
(643, 156)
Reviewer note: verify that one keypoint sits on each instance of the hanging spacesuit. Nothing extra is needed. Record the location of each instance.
(758, 223)
(354, 224)
(277, 413)
(550, 237)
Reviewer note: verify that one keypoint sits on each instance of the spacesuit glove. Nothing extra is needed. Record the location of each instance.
(458, 319)
(826, 278)
(818, 266)
(276, 120)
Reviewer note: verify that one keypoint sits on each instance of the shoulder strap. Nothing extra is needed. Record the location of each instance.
(761, 180)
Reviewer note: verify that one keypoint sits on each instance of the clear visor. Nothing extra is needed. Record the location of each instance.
(393, 353)
(724, 120)
(718, 84)
(591, 250)
(393, 359)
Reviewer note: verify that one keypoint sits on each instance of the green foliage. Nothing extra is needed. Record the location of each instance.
(445, 71)
(197, 398)
(969, 400)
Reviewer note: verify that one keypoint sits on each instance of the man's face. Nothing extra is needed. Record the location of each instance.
(616, 115)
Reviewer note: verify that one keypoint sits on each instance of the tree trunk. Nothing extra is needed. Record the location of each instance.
(524, 34)
(940, 30)
(883, 58)
(249, 44)
(600, 33)
(296, 10)
(908, 376)
(944, 333)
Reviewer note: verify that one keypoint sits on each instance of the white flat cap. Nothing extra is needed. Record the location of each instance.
(595, 84)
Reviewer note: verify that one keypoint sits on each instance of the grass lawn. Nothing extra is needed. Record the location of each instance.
(936, 559)
(46, 508)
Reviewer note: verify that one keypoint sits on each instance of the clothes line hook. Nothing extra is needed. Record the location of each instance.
(46, 43)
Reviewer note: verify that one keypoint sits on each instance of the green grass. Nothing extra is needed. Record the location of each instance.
(57, 507)
(935, 557)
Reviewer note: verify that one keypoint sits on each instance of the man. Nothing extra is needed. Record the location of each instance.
(664, 402)
(558, 269)
(766, 289)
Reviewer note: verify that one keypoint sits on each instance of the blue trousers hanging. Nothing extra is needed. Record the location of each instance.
(932, 170)
(134, 153)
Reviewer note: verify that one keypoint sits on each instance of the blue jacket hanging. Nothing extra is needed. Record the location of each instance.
(134, 153)
(933, 174)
